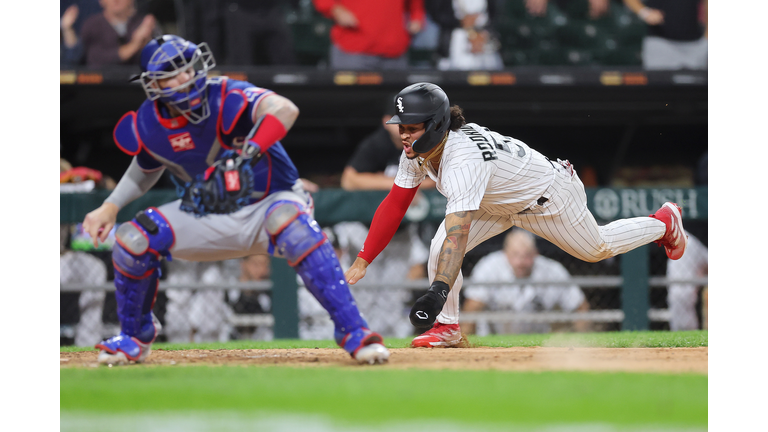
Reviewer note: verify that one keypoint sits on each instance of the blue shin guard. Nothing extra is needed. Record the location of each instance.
(136, 257)
(298, 238)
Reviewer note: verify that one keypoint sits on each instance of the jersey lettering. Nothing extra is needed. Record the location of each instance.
(181, 142)
(520, 150)
(501, 146)
(489, 153)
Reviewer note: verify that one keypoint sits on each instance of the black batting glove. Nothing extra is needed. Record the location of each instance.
(427, 307)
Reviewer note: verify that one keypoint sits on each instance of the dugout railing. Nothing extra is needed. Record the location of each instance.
(632, 285)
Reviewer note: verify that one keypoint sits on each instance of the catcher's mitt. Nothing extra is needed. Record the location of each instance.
(223, 188)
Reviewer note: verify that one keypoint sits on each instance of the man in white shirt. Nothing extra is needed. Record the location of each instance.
(681, 297)
(492, 182)
(520, 259)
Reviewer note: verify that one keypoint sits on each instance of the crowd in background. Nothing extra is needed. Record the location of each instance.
(397, 34)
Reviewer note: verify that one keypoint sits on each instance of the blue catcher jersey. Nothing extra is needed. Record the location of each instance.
(188, 149)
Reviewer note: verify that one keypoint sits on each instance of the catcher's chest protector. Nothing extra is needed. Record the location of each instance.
(188, 149)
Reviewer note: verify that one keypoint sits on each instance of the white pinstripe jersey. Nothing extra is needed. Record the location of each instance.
(482, 169)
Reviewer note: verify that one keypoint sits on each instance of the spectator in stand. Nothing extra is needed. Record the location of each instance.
(256, 33)
(73, 14)
(520, 260)
(85, 9)
(441, 13)
(113, 37)
(682, 297)
(473, 45)
(677, 33)
(71, 48)
(371, 34)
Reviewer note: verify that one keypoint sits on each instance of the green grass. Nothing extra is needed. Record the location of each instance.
(224, 398)
(644, 339)
(373, 396)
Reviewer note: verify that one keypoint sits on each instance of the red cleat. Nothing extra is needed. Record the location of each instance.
(440, 335)
(675, 240)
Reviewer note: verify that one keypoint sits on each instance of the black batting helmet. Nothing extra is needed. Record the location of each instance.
(424, 103)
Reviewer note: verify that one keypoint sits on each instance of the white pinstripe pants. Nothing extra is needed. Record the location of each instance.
(564, 220)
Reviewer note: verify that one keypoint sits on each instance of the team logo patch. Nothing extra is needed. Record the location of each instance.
(400, 104)
(181, 142)
(232, 181)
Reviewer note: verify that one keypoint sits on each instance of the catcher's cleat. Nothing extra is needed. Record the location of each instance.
(365, 346)
(674, 240)
(440, 335)
(122, 349)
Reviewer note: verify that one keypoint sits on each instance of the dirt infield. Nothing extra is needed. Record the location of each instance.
(665, 360)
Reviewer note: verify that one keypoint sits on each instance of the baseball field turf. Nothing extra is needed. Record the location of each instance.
(602, 381)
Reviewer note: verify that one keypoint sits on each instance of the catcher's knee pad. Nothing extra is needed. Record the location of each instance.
(300, 240)
(140, 244)
(292, 231)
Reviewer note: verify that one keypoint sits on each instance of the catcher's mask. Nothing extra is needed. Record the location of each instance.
(167, 56)
(423, 103)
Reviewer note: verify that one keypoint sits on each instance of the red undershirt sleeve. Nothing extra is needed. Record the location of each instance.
(386, 220)
(270, 130)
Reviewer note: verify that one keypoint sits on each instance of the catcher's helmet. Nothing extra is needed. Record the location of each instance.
(167, 56)
(424, 103)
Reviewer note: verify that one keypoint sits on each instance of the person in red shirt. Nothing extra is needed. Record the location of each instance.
(371, 34)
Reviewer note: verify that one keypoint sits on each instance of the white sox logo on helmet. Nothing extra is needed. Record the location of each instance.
(400, 106)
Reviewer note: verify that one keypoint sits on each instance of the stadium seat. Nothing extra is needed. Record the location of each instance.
(421, 58)
(311, 40)
(549, 53)
(514, 9)
(577, 57)
(576, 9)
(567, 36)
(515, 57)
(627, 27)
(555, 16)
(579, 34)
(507, 32)
(626, 56)
(522, 35)
(630, 36)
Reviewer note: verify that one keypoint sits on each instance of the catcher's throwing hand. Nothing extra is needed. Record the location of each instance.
(225, 187)
(99, 222)
(356, 271)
